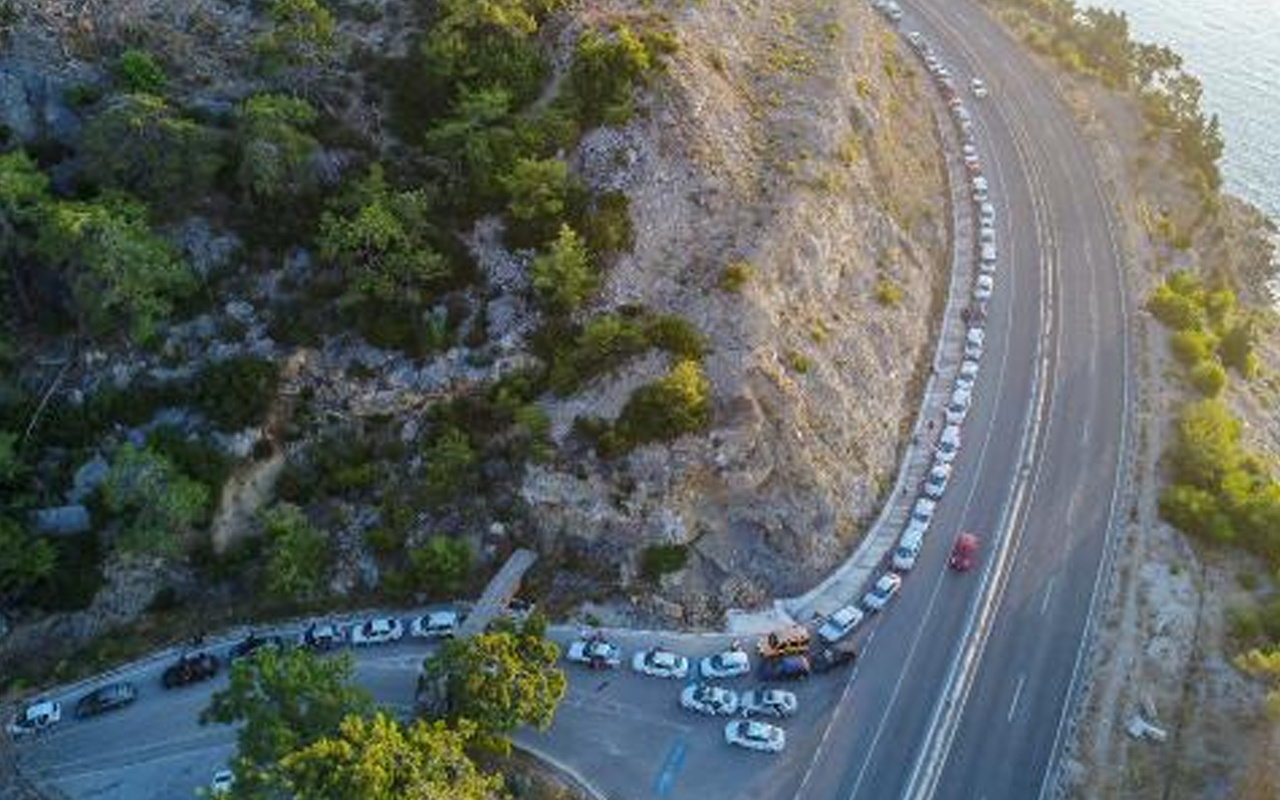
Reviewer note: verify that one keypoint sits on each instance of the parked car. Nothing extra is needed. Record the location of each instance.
(793, 639)
(964, 552)
(377, 631)
(728, 664)
(768, 702)
(840, 624)
(987, 213)
(705, 698)
(758, 736)
(908, 549)
(922, 511)
(958, 406)
(948, 445)
(435, 625)
(825, 659)
(968, 374)
(659, 663)
(785, 668)
(253, 643)
(885, 589)
(935, 483)
(35, 718)
(190, 668)
(595, 652)
(978, 87)
(983, 287)
(974, 341)
(323, 636)
(223, 781)
(987, 257)
(111, 697)
(981, 189)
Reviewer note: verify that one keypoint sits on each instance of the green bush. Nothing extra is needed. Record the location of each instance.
(302, 34)
(76, 577)
(441, 565)
(158, 504)
(139, 72)
(236, 393)
(1175, 310)
(676, 336)
(1207, 445)
(607, 229)
(1236, 348)
(192, 456)
(666, 409)
(660, 559)
(25, 559)
(449, 466)
(888, 293)
(275, 154)
(1192, 347)
(138, 144)
(607, 68)
(735, 276)
(564, 277)
(297, 555)
(1209, 378)
(1197, 512)
(544, 197)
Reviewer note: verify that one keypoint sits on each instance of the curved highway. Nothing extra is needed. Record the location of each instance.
(966, 682)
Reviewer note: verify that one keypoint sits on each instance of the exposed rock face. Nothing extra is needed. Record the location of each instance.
(795, 138)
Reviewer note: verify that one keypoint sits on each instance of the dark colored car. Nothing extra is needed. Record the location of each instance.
(191, 668)
(785, 668)
(964, 552)
(828, 658)
(106, 698)
(253, 643)
(323, 637)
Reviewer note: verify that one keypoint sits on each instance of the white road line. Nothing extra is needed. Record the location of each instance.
(1048, 594)
(1017, 694)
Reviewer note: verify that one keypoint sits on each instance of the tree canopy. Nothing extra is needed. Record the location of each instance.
(297, 554)
(382, 240)
(379, 759)
(564, 278)
(275, 151)
(302, 34)
(158, 503)
(140, 145)
(500, 680)
(284, 702)
(24, 559)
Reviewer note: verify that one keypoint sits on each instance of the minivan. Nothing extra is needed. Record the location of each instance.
(788, 641)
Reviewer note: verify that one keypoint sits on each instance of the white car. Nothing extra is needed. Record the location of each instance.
(961, 114)
(222, 782)
(711, 700)
(659, 663)
(884, 590)
(987, 236)
(973, 343)
(595, 653)
(948, 445)
(758, 736)
(35, 718)
(916, 39)
(988, 254)
(773, 702)
(435, 625)
(987, 213)
(983, 287)
(840, 624)
(981, 190)
(922, 512)
(935, 483)
(377, 631)
(968, 374)
(958, 407)
(908, 549)
(978, 87)
(729, 664)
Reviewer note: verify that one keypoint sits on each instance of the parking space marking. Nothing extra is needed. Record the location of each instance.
(671, 766)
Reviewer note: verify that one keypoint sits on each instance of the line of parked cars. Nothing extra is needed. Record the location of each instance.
(947, 445)
(197, 666)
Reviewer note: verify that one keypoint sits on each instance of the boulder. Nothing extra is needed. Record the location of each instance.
(62, 520)
(88, 477)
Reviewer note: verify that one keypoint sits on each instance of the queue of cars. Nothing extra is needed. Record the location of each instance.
(197, 666)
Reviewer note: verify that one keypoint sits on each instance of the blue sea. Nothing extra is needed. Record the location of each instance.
(1233, 46)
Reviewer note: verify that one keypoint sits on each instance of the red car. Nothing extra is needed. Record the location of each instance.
(964, 552)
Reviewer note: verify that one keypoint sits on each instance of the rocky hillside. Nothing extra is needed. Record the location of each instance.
(786, 194)
(319, 302)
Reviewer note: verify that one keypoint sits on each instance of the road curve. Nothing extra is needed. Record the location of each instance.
(1036, 479)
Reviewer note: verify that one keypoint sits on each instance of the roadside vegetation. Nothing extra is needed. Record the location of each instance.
(306, 730)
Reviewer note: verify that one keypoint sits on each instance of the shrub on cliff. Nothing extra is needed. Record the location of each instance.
(668, 408)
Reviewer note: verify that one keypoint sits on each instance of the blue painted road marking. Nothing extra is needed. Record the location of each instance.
(671, 766)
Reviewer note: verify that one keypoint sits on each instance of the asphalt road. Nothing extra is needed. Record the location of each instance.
(1036, 480)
